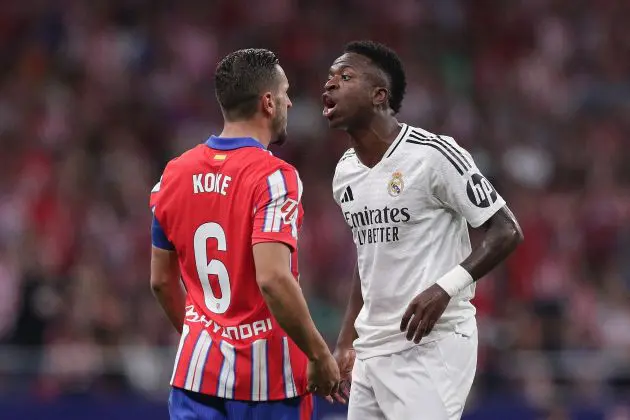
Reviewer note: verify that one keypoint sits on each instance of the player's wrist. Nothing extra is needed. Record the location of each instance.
(455, 280)
(319, 352)
(343, 345)
(345, 342)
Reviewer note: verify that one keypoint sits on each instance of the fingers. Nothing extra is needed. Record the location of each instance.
(414, 324)
(345, 372)
(330, 392)
(319, 390)
(335, 388)
(430, 326)
(339, 398)
(344, 389)
(324, 390)
(407, 316)
(421, 331)
(424, 329)
(342, 395)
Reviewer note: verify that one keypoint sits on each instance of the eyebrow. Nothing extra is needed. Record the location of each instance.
(341, 68)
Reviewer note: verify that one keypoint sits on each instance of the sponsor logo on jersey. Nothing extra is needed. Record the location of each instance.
(375, 225)
(396, 184)
(480, 191)
(347, 195)
(386, 215)
(235, 332)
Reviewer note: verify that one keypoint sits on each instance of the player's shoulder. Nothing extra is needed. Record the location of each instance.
(435, 149)
(265, 172)
(347, 161)
(183, 160)
(347, 155)
(348, 158)
(420, 141)
(266, 164)
(171, 174)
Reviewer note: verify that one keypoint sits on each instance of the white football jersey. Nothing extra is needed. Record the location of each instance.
(408, 216)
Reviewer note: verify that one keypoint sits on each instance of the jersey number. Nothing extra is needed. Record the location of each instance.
(215, 267)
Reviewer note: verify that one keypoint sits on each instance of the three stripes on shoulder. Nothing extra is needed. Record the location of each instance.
(452, 153)
(348, 154)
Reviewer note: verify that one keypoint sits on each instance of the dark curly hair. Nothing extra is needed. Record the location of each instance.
(241, 77)
(387, 60)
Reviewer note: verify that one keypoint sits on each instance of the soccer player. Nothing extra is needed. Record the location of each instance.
(226, 219)
(408, 195)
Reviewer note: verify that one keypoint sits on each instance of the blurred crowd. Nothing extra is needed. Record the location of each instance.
(95, 98)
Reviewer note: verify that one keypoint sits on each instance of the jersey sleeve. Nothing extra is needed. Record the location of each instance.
(155, 194)
(158, 236)
(457, 183)
(336, 189)
(337, 182)
(277, 206)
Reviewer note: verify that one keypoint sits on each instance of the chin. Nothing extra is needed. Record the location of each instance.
(280, 139)
(337, 124)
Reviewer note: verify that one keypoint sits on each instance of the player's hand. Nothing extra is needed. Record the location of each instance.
(423, 312)
(323, 376)
(345, 361)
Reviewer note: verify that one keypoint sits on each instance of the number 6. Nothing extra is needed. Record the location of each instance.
(215, 267)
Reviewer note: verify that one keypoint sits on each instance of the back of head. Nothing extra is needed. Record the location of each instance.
(388, 61)
(240, 78)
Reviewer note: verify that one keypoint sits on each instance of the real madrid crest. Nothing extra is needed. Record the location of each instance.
(396, 184)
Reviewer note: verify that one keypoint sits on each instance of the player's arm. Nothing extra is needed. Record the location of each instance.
(348, 333)
(276, 213)
(165, 277)
(344, 350)
(285, 300)
(457, 185)
(502, 235)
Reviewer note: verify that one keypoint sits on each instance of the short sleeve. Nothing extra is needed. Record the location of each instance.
(335, 187)
(457, 183)
(277, 208)
(155, 193)
(159, 238)
(337, 182)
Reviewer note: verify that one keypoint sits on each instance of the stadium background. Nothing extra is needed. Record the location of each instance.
(95, 97)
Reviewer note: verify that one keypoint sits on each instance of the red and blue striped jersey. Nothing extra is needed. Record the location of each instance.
(212, 204)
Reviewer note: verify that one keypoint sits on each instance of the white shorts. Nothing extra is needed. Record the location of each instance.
(428, 382)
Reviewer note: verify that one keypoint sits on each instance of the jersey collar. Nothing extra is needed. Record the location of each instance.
(231, 143)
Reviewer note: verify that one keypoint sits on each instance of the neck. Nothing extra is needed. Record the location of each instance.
(251, 128)
(372, 141)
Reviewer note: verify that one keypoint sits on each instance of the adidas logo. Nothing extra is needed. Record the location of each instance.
(347, 195)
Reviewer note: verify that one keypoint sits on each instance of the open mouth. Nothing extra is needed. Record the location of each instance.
(329, 106)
